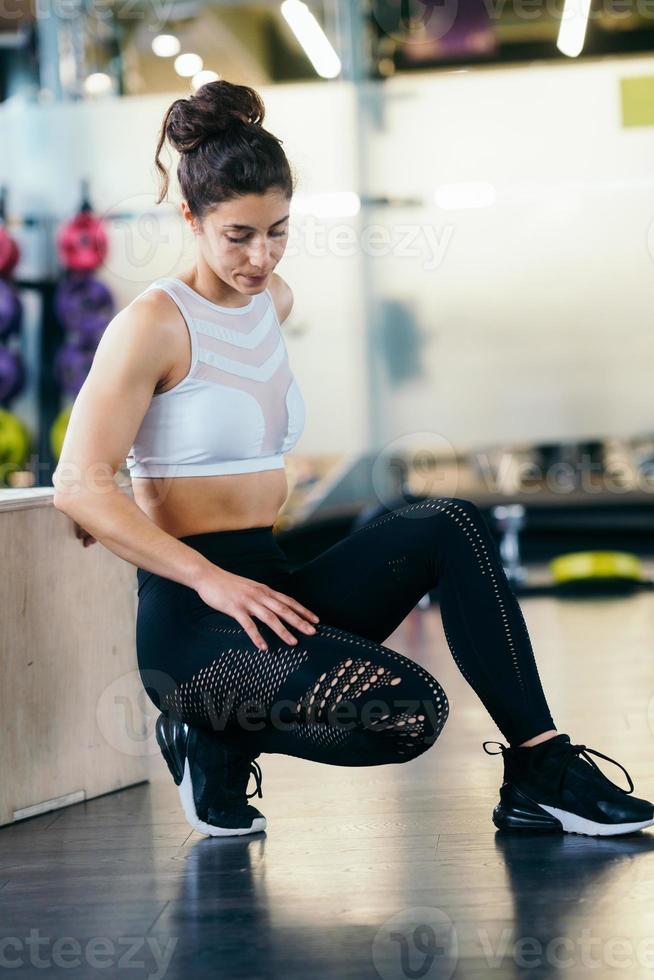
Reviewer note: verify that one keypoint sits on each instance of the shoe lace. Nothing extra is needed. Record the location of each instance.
(568, 753)
(255, 769)
(239, 770)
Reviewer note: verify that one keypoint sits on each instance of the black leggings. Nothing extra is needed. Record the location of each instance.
(340, 696)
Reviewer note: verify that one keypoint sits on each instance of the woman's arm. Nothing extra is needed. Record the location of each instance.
(129, 361)
(132, 356)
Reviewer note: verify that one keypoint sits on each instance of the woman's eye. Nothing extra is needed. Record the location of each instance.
(273, 234)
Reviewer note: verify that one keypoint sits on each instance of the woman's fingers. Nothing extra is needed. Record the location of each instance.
(283, 610)
(290, 601)
(267, 616)
(268, 606)
(250, 628)
(83, 535)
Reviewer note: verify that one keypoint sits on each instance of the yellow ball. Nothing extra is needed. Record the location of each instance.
(14, 441)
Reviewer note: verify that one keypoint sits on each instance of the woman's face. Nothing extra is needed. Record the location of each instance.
(242, 240)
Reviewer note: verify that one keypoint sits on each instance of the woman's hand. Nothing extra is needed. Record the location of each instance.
(244, 598)
(83, 535)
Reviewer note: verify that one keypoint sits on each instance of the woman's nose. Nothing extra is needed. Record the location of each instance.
(258, 256)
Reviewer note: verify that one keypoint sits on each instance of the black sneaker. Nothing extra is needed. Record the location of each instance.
(212, 777)
(550, 787)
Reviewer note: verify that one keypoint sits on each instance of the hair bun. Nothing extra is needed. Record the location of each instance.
(224, 150)
(213, 109)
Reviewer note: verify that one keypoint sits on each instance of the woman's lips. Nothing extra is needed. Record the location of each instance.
(254, 278)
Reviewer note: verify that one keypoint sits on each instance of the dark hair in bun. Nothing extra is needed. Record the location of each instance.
(224, 150)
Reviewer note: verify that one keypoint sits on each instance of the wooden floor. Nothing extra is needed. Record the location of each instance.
(388, 872)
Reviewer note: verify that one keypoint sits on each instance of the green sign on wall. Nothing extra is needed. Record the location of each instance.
(637, 97)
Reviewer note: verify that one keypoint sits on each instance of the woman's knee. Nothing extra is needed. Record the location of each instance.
(410, 723)
(455, 510)
(455, 521)
(447, 517)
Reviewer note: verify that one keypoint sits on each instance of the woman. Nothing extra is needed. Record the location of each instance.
(241, 654)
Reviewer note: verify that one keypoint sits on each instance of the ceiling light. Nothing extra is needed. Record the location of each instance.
(572, 32)
(166, 45)
(98, 83)
(188, 64)
(202, 77)
(313, 39)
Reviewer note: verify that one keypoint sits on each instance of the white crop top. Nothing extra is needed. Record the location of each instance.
(239, 408)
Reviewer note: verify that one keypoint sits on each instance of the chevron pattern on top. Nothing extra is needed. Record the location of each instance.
(238, 409)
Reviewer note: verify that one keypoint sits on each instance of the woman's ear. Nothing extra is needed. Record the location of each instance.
(189, 218)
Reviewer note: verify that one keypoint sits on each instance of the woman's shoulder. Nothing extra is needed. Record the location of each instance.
(154, 299)
(156, 312)
(149, 325)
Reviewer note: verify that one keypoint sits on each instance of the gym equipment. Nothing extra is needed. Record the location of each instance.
(14, 441)
(84, 306)
(510, 520)
(9, 251)
(58, 430)
(12, 374)
(11, 310)
(71, 365)
(82, 243)
(568, 461)
(597, 572)
(642, 449)
(590, 572)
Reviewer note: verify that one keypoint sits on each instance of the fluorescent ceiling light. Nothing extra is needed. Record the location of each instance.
(312, 38)
(572, 32)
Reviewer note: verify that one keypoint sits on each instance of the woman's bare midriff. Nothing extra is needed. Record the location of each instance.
(196, 504)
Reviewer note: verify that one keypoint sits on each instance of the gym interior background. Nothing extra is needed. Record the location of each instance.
(472, 259)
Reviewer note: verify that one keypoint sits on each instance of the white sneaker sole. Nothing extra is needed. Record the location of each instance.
(574, 824)
(188, 804)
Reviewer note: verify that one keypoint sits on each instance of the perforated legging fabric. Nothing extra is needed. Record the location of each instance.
(341, 696)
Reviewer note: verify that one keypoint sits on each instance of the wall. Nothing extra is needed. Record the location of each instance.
(535, 321)
(525, 320)
(50, 149)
